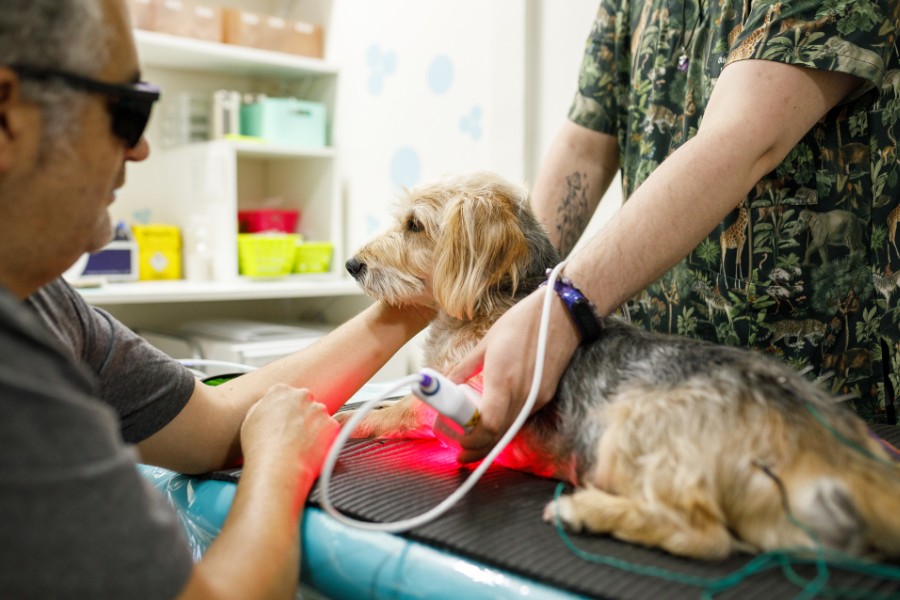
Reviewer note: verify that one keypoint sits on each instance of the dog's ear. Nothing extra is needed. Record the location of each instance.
(480, 253)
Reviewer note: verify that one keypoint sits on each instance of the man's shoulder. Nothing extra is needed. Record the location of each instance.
(57, 297)
(17, 321)
(28, 350)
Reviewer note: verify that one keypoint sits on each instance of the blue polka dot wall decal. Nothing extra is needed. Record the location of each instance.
(389, 63)
(381, 64)
(440, 74)
(376, 83)
(373, 224)
(406, 167)
(142, 215)
(373, 56)
(471, 123)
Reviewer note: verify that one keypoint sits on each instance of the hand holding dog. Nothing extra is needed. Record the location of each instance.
(637, 419)
(287, 422)
(507, 355)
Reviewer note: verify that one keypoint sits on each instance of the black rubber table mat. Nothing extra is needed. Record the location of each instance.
(499, 524)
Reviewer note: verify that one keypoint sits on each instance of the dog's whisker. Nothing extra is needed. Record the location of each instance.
(393, 286)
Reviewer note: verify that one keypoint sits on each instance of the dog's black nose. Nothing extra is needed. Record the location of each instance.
(355, 268)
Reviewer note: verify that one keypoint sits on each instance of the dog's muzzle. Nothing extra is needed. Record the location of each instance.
(356, 269)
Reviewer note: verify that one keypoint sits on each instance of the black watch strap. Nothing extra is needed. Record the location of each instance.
(580, 309)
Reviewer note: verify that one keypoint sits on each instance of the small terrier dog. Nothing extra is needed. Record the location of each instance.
(692, 447)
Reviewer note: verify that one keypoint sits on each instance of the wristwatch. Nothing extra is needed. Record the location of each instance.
(580, 309)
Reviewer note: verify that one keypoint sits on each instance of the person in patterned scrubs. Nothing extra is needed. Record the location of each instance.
(757, 144)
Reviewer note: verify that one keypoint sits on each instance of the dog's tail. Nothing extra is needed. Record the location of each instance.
(846, 494)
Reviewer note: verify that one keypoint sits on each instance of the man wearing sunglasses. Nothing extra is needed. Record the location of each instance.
(82, 398)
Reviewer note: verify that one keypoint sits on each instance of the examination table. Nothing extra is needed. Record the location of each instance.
(493, 544)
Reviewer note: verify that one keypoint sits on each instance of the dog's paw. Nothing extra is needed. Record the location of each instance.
(404, 418)
(563, 509)
(369, 427)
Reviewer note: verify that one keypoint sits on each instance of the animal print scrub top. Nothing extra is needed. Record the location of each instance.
(807, 268)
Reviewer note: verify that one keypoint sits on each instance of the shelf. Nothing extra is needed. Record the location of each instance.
(211, 179)
(175, 52)
(264, 150)
(146, 292)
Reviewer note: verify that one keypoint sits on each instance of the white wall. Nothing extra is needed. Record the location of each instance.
(429, 87)
(557, 32)
(426, 87)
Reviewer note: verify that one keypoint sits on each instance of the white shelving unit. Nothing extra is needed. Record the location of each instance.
(154, 292)
(213, 180)
(173, 52)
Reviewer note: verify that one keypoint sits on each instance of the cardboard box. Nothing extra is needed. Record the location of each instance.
(159, 251)
(273, 33)
(304, 39)
(255, 30)
(143, 14)
(241, 28)
(189, 19)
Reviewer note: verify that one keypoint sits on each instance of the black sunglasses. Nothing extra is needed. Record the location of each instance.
(129, 106)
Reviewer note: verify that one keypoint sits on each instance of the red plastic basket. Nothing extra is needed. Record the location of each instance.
(268, 220)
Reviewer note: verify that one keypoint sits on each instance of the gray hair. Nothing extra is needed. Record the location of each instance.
(60, 34)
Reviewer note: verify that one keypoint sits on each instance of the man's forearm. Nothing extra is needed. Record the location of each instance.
(573, 179)
(660, 224)
(205, 435)
(336, 366)
(758, 112)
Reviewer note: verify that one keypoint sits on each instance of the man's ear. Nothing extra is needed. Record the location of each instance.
(13, 120)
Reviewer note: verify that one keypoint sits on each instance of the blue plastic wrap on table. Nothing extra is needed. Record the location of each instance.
(343, 562)
(201, 504)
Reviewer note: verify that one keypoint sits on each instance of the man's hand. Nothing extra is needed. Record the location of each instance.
(507, 354)
(288, 421)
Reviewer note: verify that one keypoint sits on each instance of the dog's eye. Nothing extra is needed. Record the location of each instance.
(414, 225)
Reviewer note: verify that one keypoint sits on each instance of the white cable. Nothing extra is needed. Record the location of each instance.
(469, 483)
(206, 362)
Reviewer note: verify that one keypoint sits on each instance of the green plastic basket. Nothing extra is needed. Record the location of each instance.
(266, 254)
(313, 257)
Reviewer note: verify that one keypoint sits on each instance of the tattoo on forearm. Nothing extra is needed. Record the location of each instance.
(572, 215)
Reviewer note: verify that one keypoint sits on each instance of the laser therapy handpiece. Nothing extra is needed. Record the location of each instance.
(458, 402)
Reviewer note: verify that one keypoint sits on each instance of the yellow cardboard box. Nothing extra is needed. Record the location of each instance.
(159, 251)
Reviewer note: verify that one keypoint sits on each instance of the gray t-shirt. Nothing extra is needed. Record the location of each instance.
(79, 521)
(146, 399)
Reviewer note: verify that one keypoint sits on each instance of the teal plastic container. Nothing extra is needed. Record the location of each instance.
(285, 121)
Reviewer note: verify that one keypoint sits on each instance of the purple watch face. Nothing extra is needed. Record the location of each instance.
(570, 297)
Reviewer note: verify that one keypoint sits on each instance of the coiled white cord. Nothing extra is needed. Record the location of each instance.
(196, 365)
(469, 483)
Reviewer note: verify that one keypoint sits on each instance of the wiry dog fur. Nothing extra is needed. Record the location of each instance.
(692, 447)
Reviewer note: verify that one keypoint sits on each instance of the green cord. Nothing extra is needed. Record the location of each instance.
(850, 444)
(786, 559)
